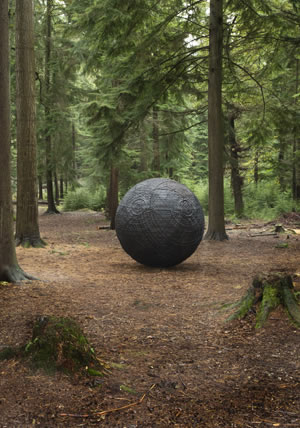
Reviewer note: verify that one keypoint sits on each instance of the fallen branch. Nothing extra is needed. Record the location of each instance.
(254, 235)
(105, 412)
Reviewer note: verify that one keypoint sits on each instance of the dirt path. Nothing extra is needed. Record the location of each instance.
(161, 330)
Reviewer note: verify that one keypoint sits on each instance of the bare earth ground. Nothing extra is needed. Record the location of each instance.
(174, 361)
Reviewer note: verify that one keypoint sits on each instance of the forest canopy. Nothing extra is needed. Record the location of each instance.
(122, 95)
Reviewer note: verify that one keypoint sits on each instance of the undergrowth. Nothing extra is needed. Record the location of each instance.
(83, 198)
(264, 200)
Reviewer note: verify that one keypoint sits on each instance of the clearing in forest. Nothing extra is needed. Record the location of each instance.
(172, 358)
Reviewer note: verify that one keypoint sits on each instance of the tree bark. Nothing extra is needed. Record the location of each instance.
(9, 268)
(296, 147)
(40, 184)
(61, 188)
(216, 225)
(236, 179)
(155, 136)
(27, 227)
(256, 171)
(49, 161)
(143, 166)
(113, 195)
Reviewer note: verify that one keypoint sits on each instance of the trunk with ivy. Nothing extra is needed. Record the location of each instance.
(27, 227)
(216, 225)
(9, 268)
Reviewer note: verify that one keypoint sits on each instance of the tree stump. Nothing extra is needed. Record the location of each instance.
(58, 344)
(264, 295)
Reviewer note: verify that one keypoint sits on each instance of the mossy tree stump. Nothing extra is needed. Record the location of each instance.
(58, 344)
(264, 295)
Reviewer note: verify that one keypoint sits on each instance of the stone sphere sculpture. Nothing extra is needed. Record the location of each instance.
(159, 222)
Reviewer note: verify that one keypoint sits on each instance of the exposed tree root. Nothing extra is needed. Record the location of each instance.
(52, 211)
(266, 294)
(215, 236)
(14, 274)
(28, 242)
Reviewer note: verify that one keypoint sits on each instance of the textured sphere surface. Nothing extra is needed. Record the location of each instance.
(159, 222)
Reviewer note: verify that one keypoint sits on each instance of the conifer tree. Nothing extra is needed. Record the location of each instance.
(27, 228)
(9, 269)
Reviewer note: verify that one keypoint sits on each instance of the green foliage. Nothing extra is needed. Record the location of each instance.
(266, 200)
(83, 198)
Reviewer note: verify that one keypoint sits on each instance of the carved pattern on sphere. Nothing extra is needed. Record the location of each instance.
(159, 222)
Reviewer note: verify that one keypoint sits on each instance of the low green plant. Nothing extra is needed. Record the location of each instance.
(83, 198)
(264, 200)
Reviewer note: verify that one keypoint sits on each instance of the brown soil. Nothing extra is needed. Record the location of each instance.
(174, 361)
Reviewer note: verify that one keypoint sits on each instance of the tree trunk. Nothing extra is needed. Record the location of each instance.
(49, 164)
(155, 136)
(74, 150)
(61, 188)
(40, 184)
(256, 173)
(216, 225)
(27, 227)
(143, 166)
(281, 168)
(56, 189)
(9, 268)
(236, 179)
(113, 195)
(296, 147)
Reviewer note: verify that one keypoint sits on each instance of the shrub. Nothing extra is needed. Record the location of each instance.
(82, 198)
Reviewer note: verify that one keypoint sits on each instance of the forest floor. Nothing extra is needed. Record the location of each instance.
(174, 360)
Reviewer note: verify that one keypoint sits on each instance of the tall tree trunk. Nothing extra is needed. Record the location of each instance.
(9, 268)
(74, 149)
(61, 188)
(40, 186)
(281, 168)
(155, 136)
(49, 163)
(216, 225)
(56, 189)
(256, 171)
(143, 166)
(113, 195)
(27, 227)
(296, 147)
(236, 179)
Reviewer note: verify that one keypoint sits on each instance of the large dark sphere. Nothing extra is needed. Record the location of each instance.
(159, 222)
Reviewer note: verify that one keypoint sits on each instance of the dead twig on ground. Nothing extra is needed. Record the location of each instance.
(105, 412)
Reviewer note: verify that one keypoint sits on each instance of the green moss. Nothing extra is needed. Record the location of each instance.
(271, 300)
(59, 344)
(244, 304)
(265, 295)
